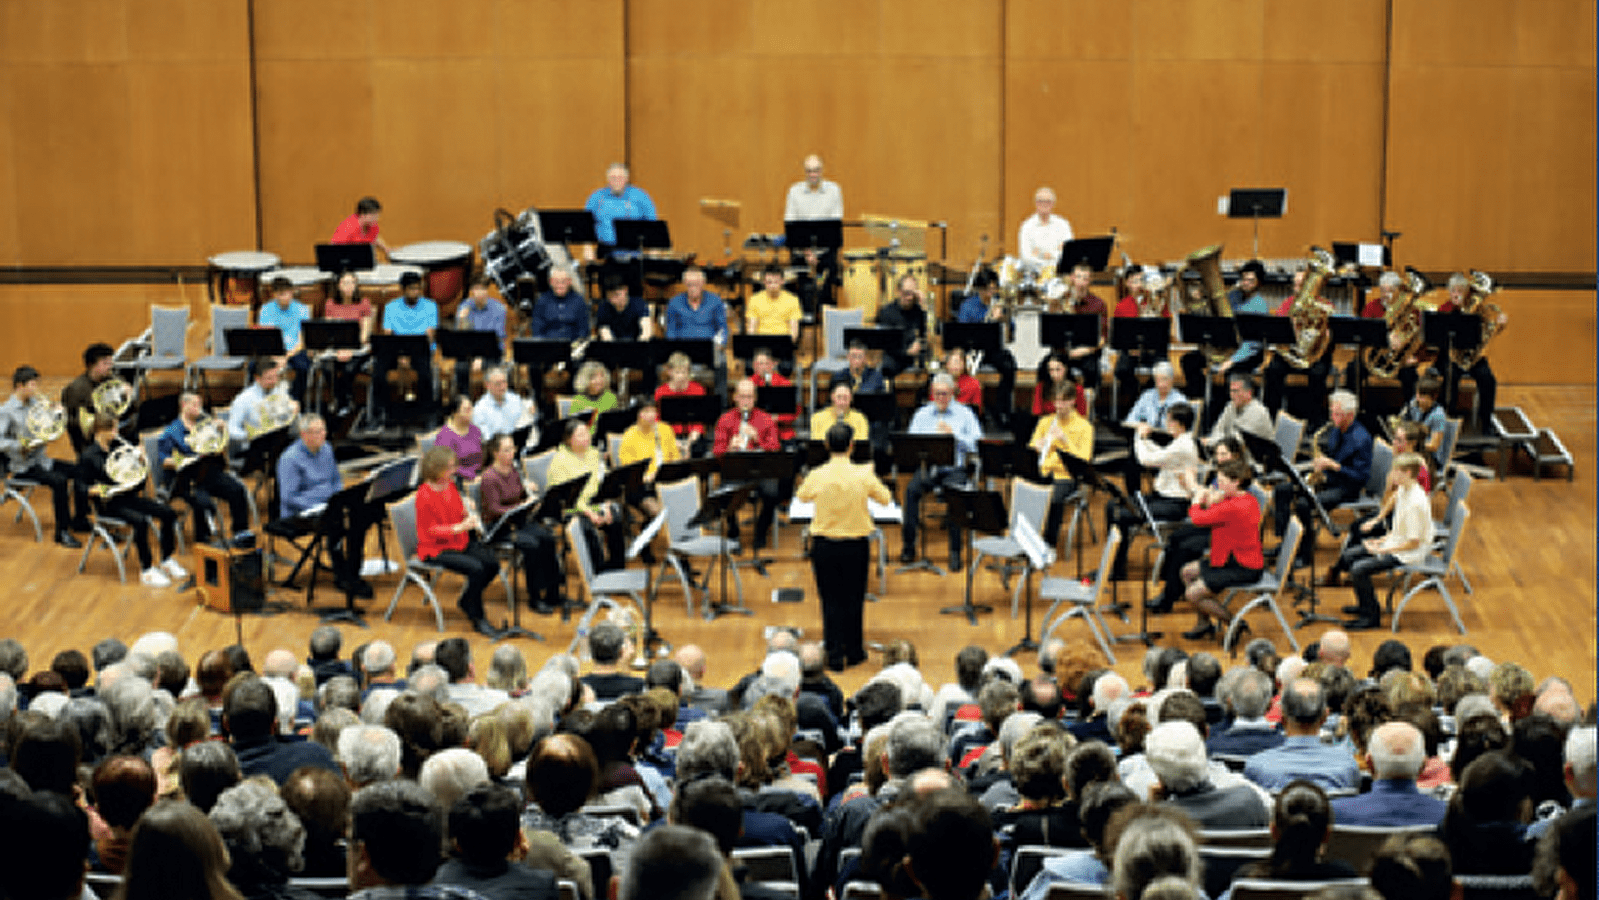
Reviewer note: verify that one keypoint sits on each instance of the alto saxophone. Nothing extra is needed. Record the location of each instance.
(1317, 476)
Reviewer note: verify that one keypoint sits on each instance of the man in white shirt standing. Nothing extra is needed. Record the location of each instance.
(1042, 233)
(815, 197)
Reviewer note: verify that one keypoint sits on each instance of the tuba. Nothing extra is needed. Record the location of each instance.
(1404, 328)
(127, 467)
(112, 397)
(44, 422)
(1212, 298)
(1478, 304)
(1312, 336)
(277, 411)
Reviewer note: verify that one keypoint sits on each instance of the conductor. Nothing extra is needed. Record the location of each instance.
(839, 533)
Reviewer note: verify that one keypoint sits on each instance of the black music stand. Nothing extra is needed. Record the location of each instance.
(637, 236)
(777, 400)
(1095, 251)
(716, 508)
(1267, 330)
(550, 437)
(922, 453)
(974, 510)
(336, 258)
(678, 469)
(986, 338)
(1363, 334)
(1088, 478)
(346, 499)
(389, 484)
(455, 343)
(254, 343)
(699, 352)
(781, 346)
(567, 226)
(702, 410)
(550, 511)
(881, 410)
(1257, 204)
(328, 336)
(389, 348)
(1061, 331)
(882, 339)
(620, 354)
(620, 480)
(752, 467)
(821, 235)
(1271, 458)
(615, 421)
(1139, 337)
(1448, 332)
(816, 452)
(540, 356)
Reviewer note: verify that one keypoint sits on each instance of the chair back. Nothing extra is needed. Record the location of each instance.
(613, 450)
(1029, 501)
(1263, 889)
(1496, 887)
(580, 549)
(169, 327)
(834, 321)
(425, 442)
(768, 864)
(402, 516)
(681, 500)
(1358, 844)
(1459, 490)
(1289, 431)
(563, 406)
(1027, 863)
(1071, 890)
(1235, 837)
(1287, 551)
(863, 890)
(223, 318)
(1261, 498)
(1113, 539)
(1452, 540)
(1382, 462)
(537, 468)
(1446, 448)
(1221, 863)
(566, 889)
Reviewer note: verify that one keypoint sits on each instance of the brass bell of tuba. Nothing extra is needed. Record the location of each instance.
(1478, 304)
(1212, 300)
(1312, 336)
(1404, 328)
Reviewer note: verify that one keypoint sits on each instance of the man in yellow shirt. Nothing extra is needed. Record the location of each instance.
(648, 438)
(773, 310)
(839, 544)
(1065, 430)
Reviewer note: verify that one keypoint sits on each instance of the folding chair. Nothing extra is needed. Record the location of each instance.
(1358, 844)
(19, 489)
(1268, 588)
(1434, 570)
(1264, 889)
(681, 500)
(834, 321)
(169, 329)
(537, 469)
(1084, 601)
(1027, 501)
(217, 359)
(402, 516)
(1459, 490)
(601, 586)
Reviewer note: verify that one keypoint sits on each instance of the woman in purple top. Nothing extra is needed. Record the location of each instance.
(460, 435)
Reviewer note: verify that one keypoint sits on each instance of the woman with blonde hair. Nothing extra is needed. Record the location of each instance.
(593, 386)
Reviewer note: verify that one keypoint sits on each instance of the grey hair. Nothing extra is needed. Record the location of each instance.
(1458, 280)
(152, 643)
(325, 641)
(765, 686)
(92, 720)
(1304, 701)
(1108, 688)
(134, 713)
(784, 667)
(449, 774)
(379, 657)
(309, 421)
(1152, 849)
(8, 697)
(672, 862)
(254, 821)
(141, 665)
(13, 658)
(376, 705)
(553, 686)
(1345, 401)
(507, 669)
(288, 697)
(431, 681)
(1016, 726)
(1390, 279)
(914, 742)
(707, 747)
(50, 703)
(369, 753)
(1475, 704)
(565, 663)
(339, 692)
(1163, 369)
(1480, 666)
(1396, 750)
(942, 380)
(1251, 693)
(1580, 756)
(1176, 753)
(107, 652)
(499, 371)
(1459, 654)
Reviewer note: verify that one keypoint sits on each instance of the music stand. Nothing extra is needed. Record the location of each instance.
(1088, 478)
(551, 436)
(781, 346)
(336, 505)
(1363, 334)
(461, 344)
(1095, 251)
(1364, 255)
(752, 467)
(638, 235)
(1139, 337)
(883, 339)
(1038, 556)
(1257, 204)
(679, 469)
(702, 410)
(254, 342)
(1449, 332)
(821, 235)
(620, 354)
(619, 480)
(493, 533)
(1268, 330)
(539, 356)
(1270, 456)
(816, 452)
(699, 352)
(922, 452)
(776, 400)
(986, 338)
(329, 334)
(716, 509)
(1059, 331)
(615, 421)
(567, 226)
(337, 258)
(389, 484)
(974, 510)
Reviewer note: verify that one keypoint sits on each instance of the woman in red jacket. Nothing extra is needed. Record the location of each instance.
(444, 535)
(1233, 516)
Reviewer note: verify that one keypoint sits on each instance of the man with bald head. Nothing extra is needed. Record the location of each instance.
(1334, 648)
(1396, 753)
(697, 694)
(744, 429)
(1302, 754)
(813, 198)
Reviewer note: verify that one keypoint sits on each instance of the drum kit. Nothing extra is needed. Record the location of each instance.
(1024, 283)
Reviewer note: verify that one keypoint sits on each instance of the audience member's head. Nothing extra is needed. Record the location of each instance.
(1510, 687)
(175, 852)
(969, 664)
(1579, 754)
(952, 845)
(449, 774)
(46, 755)
(1396, 751)
(123, 787)
(1301, 820)
(256, 825)
(1474, 737)
(1176, 754)
(1390, 654)
(44, 840)
(485, 824)
(1038, 765)
(1412, 866)
(672, 862)
(562, 774)
(396, 834)
(1564, 864)
(1151, 847)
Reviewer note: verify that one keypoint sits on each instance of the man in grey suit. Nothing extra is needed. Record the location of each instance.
(1176, 753)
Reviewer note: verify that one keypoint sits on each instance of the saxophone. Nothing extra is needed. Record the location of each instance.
(1312, 337)
(1316, 477)
(1478, 304)
(1404, 328)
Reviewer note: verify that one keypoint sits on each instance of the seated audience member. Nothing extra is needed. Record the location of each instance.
(1247, 696)
(968, 675)
(369, 754)
(1176, 754)
(44, 839)
(709, 748)
(455, 656)
(264, 839)
(1396, 754)
(952, 846)
(711, 805)
(176, 853)
(612, 651)
(122, 789)
(1099, 802)
(485, 836)
(396, 834)
(1155, 852)
(1485, 826)
(1302, 754)
(1045, 812)
(1108, 687)
(1564, 866)
(1300, 824)
(451, 772)
(1475, 735)
(672, 862)
(205, 770)
(562, 774)
(248, 716)
(1413, 867)
(322, 801)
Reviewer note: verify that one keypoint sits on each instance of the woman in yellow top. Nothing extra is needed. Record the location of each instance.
(840, 411)
(1065, 430)
(773, 310)
(839, 544)
(576, 457)
(648, 438)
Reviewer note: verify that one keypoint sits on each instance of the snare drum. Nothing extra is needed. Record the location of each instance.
(235, 277)
(310, 285)
(383, 281)
(446, 264)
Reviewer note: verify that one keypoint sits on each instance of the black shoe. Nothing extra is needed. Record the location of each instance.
(1157, 606)
(836, 664)
(487, 630)
(83, 526)
(1362, 623)
(361, 588)
(65, 539)
(907, 556)
(1204, 631)
(1353, 609)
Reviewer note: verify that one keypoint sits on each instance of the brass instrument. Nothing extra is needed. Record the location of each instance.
(1316, 476)
(112, 397)
(1212, 299)
(208, 437)
(1478, 304)
(127, 467)
(45, 421)
(277, 411)
(621, 611)
(1312, 336)
(1150, 302)
(1404, 328)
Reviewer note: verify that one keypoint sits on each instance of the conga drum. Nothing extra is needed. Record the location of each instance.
(447, 266)
(310, 285)
(861, 288)
(235, 277)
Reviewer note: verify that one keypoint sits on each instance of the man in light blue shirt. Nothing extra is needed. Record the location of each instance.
(499, 410)
(410, 314)
(1302, 754)
(479, 312)
(699, 315)
(286, 314)
(617, 200)
(940, 416)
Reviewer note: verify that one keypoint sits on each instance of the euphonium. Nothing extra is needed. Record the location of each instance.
(1312, 337)
(127, 467)
(277, 410)
(1404, 328)
(1213, 297)
(112, 397)
(1482, 287)
(44, 422)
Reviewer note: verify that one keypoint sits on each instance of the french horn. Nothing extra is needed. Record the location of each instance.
(44, 422)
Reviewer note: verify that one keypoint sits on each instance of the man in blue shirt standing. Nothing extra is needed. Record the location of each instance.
(1302, 754)
(617, 200)
(942, 415)
(286, 314)
(410, 314)
(308, 478)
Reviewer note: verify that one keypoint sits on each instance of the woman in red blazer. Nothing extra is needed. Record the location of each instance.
(1233, 516)
(446, 535)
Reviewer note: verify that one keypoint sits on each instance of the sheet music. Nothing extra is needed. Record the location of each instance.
(493, 534)
(881, 512)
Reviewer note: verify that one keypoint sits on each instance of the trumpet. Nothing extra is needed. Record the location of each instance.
(277, 411)
(127, 468)
(112, 397)
(45, 421)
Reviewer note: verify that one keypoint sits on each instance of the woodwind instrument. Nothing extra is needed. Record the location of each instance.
(1317, 477)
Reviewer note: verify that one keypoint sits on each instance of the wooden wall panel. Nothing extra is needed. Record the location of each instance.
(1541, 321)
(47, 326)
(129, 130)
(443, 111)
(1492, 147)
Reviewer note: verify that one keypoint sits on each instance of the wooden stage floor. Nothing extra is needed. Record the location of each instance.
(1529, 552)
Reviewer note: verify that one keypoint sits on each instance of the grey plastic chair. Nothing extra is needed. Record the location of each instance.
(602, 586)
(1082, 601)
(1027, 501)
(537, 469)
(834, 321)
(681, 501)
(1459, 490)
(1434, 571)
(169, 329)
(1270, 586)
(217, 358)
(21, 490)
(402, 516)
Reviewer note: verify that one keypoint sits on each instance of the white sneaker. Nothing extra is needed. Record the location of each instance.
(174, 570)
(154, 577)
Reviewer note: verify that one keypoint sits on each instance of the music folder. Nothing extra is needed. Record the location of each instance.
(512, 518)
(330, 334)
(567, 226)
(1095, 251)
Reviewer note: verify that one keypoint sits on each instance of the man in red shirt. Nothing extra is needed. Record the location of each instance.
(362, 226)
(747, 429)
(766, 375)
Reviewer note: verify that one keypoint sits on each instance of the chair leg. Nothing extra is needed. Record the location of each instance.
(682, 579)
(1455, 568)
(88, 547)
(399, 589)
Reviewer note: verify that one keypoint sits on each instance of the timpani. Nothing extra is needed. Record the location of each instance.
(310, 285)
(382, 282)
(446, 266)
(235, 277)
